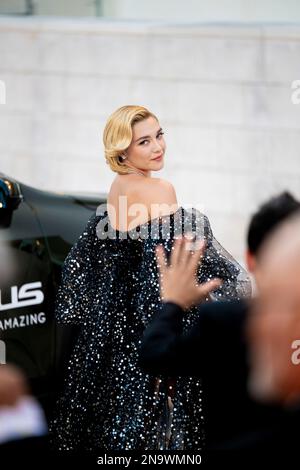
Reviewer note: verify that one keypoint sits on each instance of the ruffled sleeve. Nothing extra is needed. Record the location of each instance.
(73, 299)
(219, 263)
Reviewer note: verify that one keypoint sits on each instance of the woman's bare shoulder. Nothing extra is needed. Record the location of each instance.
(155, 196)
(157, 191)
(163, 186)
(159, 196)
(139, 187)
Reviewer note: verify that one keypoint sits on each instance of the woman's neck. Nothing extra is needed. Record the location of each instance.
(133, 170)
(140, 173)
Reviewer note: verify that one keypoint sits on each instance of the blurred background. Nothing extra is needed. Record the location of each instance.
(219, 74)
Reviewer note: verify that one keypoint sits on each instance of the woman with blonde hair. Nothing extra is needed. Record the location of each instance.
(109, 281)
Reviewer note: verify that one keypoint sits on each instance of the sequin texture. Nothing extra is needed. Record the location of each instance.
(110, 289)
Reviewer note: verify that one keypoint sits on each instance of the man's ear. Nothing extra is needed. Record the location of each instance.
(251, 261)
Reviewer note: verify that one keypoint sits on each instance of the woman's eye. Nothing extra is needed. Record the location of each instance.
(146, 141)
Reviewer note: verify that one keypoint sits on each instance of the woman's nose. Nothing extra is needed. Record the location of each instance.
(156, 147)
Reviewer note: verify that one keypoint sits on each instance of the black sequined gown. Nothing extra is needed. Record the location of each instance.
(110, 288)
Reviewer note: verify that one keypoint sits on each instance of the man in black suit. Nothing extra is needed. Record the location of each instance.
(216, 348)
(274, 325)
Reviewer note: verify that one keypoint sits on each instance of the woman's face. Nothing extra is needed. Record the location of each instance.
(147, 148)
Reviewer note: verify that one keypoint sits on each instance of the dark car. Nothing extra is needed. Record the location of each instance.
(37, 230)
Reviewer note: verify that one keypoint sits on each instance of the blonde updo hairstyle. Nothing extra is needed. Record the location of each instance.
(117, 135)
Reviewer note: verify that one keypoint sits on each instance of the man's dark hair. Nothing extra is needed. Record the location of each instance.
(268, 216)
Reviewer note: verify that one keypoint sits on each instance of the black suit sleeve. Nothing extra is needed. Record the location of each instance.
(166, 350)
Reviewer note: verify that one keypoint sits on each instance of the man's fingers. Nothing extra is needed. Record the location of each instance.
(187, 249)
(176, 252)
(187, 252)
(197, 254)
(161, 259)
(207, 287)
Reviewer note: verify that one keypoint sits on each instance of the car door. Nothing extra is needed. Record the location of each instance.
(26, 304)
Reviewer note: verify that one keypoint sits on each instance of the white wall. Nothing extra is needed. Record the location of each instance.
(223, 95)
(190, 11)
(204, 10)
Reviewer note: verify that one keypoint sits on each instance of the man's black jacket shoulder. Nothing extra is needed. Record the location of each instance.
(214, 350)
(217, 335)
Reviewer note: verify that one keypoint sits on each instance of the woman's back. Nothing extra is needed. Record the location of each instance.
(134, 199)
